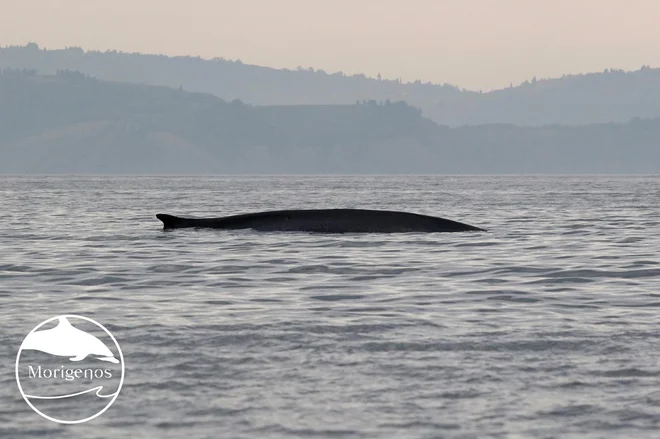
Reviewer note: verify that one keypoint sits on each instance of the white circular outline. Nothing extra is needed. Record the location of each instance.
(121, 381)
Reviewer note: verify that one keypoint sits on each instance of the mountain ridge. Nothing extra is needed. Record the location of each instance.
(609, 96)
(72, 123)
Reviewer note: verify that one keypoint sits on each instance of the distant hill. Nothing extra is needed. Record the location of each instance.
(610, 96)
(71, 123)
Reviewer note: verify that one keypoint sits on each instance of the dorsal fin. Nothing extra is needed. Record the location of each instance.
(170, 221)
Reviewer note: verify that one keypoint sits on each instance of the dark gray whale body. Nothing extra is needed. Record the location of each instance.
(324, 221)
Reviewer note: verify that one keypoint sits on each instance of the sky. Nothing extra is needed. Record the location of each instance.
(475, 44)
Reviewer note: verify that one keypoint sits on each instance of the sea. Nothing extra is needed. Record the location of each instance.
(545, 326)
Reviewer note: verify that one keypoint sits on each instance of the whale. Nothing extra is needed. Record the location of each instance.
(64, 340)
(324, 221)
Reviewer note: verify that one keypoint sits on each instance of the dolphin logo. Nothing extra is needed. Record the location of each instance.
(66, 341)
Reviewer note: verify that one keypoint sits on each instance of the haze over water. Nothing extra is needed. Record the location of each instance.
(546, 326)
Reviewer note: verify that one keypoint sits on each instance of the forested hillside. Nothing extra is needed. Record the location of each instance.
(72, 123)
(609, 96)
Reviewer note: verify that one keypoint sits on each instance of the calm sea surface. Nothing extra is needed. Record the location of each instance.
(547, 326)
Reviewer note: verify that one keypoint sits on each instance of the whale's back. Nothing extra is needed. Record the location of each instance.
(324, 221)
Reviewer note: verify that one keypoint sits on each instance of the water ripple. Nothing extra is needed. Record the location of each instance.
(546, 326)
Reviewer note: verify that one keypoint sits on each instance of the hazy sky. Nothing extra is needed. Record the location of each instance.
(476, 44)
